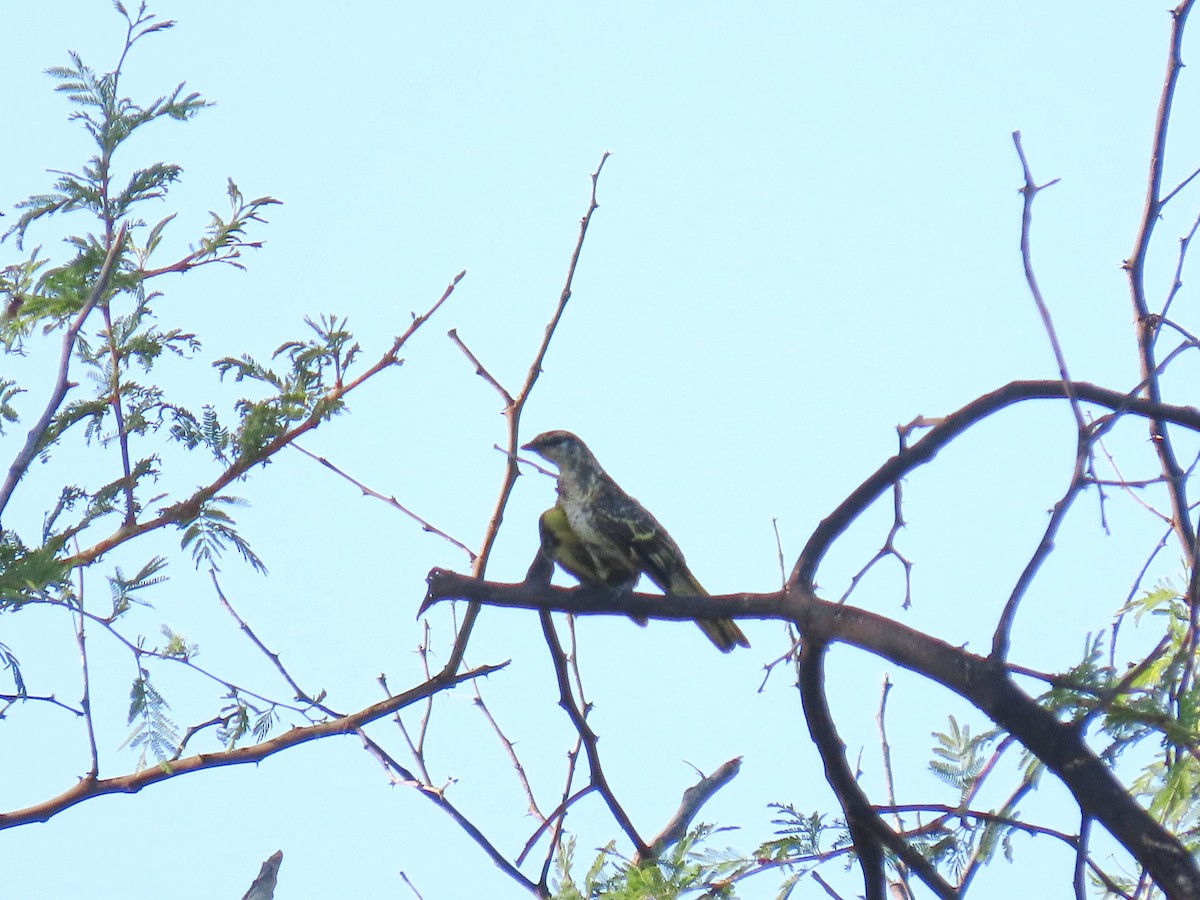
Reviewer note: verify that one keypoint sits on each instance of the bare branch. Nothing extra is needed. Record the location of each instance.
(300, 694)
(510, 750)
(889, 543)
(390, 501)
(480, 369)
(1146, 324)
(946, 429)
(870, 833)
(512, 413)
(1000, 637)
(1028, 191)
(85, 702)
(578, 717)
(885, 752)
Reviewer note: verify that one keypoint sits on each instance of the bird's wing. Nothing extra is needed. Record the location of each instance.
(626, 522)
(562, 544)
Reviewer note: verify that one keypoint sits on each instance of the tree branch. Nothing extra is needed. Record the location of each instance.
(37, 433)
(512, 413)
(88, 788)
(946, 429)
(981, 681)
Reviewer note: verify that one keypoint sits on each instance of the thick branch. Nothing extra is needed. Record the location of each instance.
(983, 683)
(871, 835)
(947, 429)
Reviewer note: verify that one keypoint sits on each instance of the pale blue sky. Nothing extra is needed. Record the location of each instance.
(807, 235)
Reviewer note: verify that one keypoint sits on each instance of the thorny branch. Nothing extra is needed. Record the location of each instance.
(990, 688)
(889, 543)
(390, 501)
(578, 717)
(889, 787)
(1029, 190)
(979, 680)
(514, 405)
(1147, 325)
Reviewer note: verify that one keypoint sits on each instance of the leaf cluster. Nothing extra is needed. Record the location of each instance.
(93, 304)
(685, 870)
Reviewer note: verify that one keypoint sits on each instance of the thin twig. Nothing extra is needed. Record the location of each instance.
(417, 752)
(417, 747)
(412, 887)
(779, 552)
(390, 501)
(1028, 192)
(300, 693)
(1146, 325)
(1185, 242)
(85, 702)
(889, 543)
(1058, 515)
(510, 750)
(978, 858)
(885, 752)
(480, 369)
(9, 699)
(512, 413)
(816, 876)
(557, 814)
(114, 402)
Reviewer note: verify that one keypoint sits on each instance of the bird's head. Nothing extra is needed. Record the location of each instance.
(562, 448)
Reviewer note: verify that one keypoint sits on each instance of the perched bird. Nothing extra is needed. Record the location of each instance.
(560, 544)
(602, 536)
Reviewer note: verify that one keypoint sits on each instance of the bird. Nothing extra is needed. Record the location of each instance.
(603, 537)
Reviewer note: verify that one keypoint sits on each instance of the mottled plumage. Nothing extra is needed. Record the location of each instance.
(602, 536)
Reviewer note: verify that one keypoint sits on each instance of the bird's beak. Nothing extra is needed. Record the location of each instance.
(528, 447)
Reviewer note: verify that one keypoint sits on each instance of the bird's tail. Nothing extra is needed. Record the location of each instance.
(722, 632)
